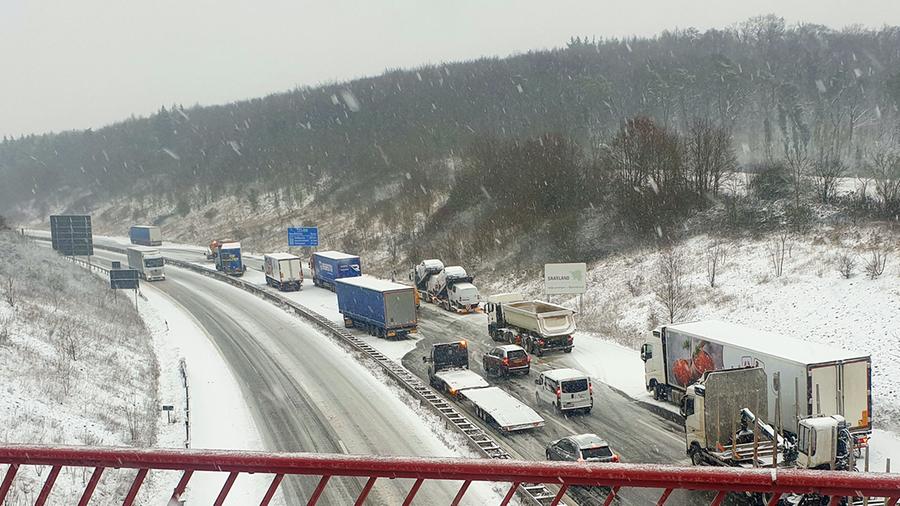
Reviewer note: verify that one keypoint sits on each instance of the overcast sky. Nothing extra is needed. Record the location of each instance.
(85, 63)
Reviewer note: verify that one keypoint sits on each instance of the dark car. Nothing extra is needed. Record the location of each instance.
(581, 448)
(506, 359)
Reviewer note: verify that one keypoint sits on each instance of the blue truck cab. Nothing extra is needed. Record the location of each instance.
(228, 259)
(329, 266)
(381, 308)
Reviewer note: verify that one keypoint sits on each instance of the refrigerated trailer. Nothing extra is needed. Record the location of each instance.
(815, 379)
(283, 271)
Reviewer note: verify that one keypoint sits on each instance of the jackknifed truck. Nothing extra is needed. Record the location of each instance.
(329, 266)
(147, 261)
(381, 308)
(448, 372)
(283, 271)
(816, 379)
(145, 235)
(535, 325)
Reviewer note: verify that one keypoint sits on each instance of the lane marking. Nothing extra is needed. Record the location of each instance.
(343, 447)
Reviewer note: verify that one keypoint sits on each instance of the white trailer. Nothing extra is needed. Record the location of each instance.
(449, 372)
(283, 271)
(814, 379)
(147, 261)
(533, 324)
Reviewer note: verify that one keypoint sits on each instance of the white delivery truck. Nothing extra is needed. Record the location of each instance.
(448, 372)
(147, 261)
(534, 325)
(283, 271)
(815, 379)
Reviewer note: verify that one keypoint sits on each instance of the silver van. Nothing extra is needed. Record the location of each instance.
(566, 389)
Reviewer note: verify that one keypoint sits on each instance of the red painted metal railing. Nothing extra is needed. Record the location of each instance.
(773, 483)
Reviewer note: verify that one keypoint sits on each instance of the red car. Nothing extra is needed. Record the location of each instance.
(506, 359)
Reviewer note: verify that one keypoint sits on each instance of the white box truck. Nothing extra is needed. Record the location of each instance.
(147, 261)
(815, 379)
(283, 271)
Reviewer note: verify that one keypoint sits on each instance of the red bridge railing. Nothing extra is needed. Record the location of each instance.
(721, 481)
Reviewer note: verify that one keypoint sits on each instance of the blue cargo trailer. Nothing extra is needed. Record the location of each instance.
(228, 259)
(145, 235)
(328, 266)
(381, 308)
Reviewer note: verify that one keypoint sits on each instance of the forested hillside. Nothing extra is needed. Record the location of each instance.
(537, 139)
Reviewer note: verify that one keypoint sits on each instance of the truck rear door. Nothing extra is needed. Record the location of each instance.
(857, 395)
(824, 390)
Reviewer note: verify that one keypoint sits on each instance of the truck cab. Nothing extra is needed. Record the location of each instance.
(228, 259)
(654, 368)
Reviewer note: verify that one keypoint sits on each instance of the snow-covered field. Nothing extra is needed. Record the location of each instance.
(76, 367)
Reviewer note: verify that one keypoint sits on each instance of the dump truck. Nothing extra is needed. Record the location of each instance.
(145, 235)
(725, 420)
(535, 325)
(448, 372)
(329, 266)
(283, 271)
(382, 308)
(147, 261)
(452, 289)
(229, 260)
(816, 379)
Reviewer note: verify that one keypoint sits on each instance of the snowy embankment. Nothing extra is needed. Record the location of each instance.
(76, 367)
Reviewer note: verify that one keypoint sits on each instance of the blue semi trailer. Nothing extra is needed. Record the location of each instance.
(145, 235)
(328, 266)
(228, 259)
(381, 308)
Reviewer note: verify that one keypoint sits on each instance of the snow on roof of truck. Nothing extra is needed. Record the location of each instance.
(461, 379)
(381, 285)
(506, 410)
(145, 249)
(282, 256)
(230, 245)
(335, 255)
(455, 271)
(762, 341)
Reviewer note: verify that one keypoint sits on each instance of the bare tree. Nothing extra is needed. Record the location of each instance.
(709, 156)
(827, 171)
(845, 263)
(797, 161)
(715, 257)
(778, 248)
(877, 258)
(10, 289)
(672, 291)
(885, 169)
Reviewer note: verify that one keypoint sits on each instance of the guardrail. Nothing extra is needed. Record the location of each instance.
(769, 485)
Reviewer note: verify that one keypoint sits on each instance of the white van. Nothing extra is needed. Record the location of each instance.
(566, 389)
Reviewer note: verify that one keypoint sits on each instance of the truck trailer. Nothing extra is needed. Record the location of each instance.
(147, 261)
(381, 308)
(329, 266)
(229, 260)
(815, 379)
(283, 271)
(145, 235)
(448, 372)
(535, 325)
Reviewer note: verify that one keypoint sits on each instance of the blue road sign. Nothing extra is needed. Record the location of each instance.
(303, 236)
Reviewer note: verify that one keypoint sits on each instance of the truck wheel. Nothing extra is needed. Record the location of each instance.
(695, 454)
(568, 350)
(540, 351)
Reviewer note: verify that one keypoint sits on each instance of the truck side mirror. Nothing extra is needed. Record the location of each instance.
(646, 352)
(489, 307)
(537, 381)
(424, 360)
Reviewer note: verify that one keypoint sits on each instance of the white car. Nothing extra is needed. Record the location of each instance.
(566, 389)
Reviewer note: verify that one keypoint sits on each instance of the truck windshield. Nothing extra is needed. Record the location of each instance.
(228, 257)
(153, 262)
(596, 453)
(574, 386)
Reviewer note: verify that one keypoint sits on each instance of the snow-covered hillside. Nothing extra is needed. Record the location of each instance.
(76, 367)
(811, 300)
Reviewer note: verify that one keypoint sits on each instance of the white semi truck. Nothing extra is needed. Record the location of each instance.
(448, 372)
(815, 379)
(452, 289)
(147, 261)
(535, 325)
